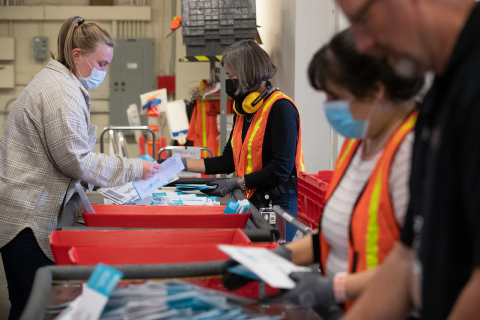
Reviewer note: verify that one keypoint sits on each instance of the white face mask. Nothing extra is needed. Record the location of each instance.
(95, 78)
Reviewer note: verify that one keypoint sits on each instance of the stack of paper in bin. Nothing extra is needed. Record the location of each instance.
(143, 189)
(168, 299)
(193, 187)
(120, 195)
(175, 300)
(165, 198)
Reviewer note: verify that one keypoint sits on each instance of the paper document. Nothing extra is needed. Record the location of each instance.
(193, 187)
(267, 265)
(120, 194)
(170, 168)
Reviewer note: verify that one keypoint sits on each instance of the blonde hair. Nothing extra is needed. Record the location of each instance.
(76, 33)
(250, 63)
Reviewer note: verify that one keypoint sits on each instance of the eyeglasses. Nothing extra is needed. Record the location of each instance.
(359, 17)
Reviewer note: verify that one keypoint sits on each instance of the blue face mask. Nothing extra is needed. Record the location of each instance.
(341, 119)
(95, 78)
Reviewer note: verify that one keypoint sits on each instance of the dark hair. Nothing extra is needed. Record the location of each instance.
(339, 62)
(250, 63)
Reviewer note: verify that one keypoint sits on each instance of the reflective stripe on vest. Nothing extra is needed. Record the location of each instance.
(372, 231)
(248, 155)
(204, 128)
(266, 107)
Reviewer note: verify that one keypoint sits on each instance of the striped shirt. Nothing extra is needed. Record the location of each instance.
(46, 147)
(338, 211)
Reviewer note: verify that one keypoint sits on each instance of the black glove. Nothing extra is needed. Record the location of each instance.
(312, 290)
(184, 161)
(233, 281)
(224, 187)
(330, 312)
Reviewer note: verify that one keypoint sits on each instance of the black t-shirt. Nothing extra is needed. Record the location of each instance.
(278, 153)
(445, 181)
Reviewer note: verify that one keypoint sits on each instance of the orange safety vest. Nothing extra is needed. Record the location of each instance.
(248, 154)
(373, 227)
(203, 130)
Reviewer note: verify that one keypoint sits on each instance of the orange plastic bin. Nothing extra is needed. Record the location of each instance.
(174, 217)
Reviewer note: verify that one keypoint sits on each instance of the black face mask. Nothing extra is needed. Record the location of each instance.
(231, 86)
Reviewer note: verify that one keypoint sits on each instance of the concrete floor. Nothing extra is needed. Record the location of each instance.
(4, 302)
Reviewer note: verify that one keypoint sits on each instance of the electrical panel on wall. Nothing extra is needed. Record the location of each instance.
(7, 48)
(7, 77)
(131, 74)
(40, 48)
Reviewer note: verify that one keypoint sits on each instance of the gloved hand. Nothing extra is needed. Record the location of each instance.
(330, 311)
(312, 290)
(184, 161)
(233, 281)
(224, 187)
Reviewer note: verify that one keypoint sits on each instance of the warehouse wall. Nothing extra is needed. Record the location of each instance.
(26, 67)
(276, 19)
(292, 31)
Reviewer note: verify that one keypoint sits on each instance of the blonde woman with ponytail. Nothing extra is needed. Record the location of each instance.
(47, 146)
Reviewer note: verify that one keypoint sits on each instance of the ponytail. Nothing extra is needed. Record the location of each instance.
(76, 33)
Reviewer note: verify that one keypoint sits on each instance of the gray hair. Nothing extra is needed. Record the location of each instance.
(250, 63)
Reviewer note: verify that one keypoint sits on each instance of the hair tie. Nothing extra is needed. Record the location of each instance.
(80, 22)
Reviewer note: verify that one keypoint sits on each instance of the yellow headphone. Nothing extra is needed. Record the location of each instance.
(253, 101)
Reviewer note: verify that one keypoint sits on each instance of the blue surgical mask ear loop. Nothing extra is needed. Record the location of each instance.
(367, 120)
(88, 65)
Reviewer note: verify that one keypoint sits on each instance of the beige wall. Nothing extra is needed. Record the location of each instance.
(292, 31)
(276, 19)
(26, 67)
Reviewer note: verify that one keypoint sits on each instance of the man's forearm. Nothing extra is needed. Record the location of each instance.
(388, 294)
(467, 306)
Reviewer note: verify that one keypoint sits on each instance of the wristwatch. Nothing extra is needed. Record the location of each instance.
(241, 183)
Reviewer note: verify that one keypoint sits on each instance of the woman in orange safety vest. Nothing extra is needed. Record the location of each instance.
(265, 146)
(368, 196)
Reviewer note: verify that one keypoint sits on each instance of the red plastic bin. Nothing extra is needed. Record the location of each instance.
(312, 189)
(116, 245)
(173, 217)
(151, 255)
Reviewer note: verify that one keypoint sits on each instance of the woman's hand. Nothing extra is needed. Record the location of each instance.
(150, 169)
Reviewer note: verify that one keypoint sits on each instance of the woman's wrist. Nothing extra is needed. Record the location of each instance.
(340, 287)
(241, 183)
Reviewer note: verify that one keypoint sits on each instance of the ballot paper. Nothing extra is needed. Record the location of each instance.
(121, 194)
(170, 168)
(91, 303)
(267, 265)
(193, 187)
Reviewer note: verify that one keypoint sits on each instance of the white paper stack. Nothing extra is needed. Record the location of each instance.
(143, 189)
(120, 195)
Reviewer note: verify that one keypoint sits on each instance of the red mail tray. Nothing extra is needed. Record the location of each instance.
(142, 246)
(203, 217)
(150, 255)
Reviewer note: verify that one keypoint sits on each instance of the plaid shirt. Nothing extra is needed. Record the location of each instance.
(46, 147)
